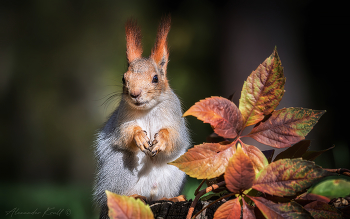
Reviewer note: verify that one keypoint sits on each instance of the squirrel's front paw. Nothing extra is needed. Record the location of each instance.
(159, 143)
(142, 141)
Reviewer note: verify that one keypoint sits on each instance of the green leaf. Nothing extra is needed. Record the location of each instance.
(312, 155)
(262, 91)
(280, 210)
(295, 151)
(332, 187)
(286, 126)
(287, 177)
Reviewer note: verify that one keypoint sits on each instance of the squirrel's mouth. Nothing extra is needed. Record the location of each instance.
(140, 103)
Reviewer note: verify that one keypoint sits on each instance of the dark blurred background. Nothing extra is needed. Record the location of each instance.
(60, 60)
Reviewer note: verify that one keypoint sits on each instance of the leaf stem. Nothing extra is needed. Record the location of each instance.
(199, 187)
(217, 200)
(341, 171)
(240, 141)
(200, 193)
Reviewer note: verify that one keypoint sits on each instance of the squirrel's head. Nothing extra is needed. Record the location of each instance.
(145, 82)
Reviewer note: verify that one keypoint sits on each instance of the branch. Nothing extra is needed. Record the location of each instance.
(341, 171)
(199, 187)
(200, 194)
(219, 199)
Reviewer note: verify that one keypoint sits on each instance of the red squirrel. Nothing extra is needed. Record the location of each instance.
(146, 131)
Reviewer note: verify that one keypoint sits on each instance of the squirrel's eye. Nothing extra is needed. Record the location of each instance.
(155, 79)
(123, 80)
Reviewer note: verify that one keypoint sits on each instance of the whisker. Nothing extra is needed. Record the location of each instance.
(112, 98)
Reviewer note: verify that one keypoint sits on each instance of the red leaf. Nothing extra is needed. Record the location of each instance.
(248, 211)
(205, 161)
(312, 155)
(287, 177)
(230, 210)
(295, 151)
(239, 174)
(286, 126)
(124, 207)
(263, 90)
(222, 114)
(322, 210)
(280, 210)
(310, 196)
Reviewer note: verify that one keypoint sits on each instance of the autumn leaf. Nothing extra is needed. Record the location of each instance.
(286, 177)
(256, 157)
(295, 151)
(269, 154)
(228, 210)
(239, 174)
(286, 126)
(262, 91)
(280, 210)
(248, 211)
(124, 207)
(313, 197)
(222, 114)
(312, 155)
(205, 161)
(322, 210)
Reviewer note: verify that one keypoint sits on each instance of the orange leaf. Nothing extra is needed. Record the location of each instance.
(230, 209)
(204, 161)
(124, 207)
(240, 172)
(222, 114)
(256, 156)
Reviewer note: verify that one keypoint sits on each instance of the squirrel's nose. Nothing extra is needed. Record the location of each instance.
(135, 94)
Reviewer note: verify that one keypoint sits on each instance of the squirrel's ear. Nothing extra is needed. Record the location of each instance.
(160, 53)
(133, 41)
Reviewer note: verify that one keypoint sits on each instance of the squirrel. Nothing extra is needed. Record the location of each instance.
(146, 131)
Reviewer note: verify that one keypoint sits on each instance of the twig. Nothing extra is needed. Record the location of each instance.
(217, 200)
(342, 171)
(200, 193)
(199, 187)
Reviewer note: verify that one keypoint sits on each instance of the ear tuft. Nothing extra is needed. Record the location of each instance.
(133, 40)
(160, 53)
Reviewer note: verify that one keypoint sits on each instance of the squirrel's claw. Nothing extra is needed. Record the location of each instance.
(142, 141)
(158, 144)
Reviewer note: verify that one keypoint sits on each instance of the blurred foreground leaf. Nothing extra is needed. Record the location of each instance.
(124, 207)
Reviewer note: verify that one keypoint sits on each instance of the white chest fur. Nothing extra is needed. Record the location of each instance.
(155, 178)
(156, 181)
